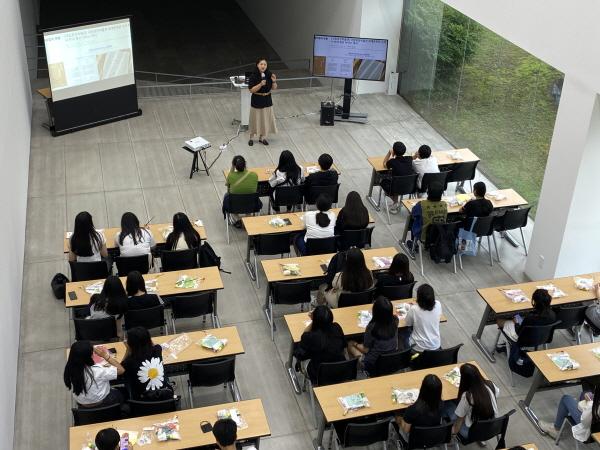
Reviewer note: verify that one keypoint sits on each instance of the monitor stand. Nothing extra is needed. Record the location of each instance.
(345, 115)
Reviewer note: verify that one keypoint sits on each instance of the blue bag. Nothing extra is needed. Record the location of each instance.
(467, 241)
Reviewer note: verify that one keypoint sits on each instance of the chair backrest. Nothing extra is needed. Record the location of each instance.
(536, 335)
(291, 292)
(337, 372)
(87, 416)
(213, 372)
(178, 259)
(463, 171)
(356, 298)
(436, 358)
(313, 192)
(126, 264)
(427, 437)
(243, 203)
(404, 185)
(483, 226)
(355, 238)
(570, 316)
(398, 292)
(364, 434)
(288, 195)
(139, 408)
(84, 271)
(192, 305)
(272, 244)
(97, 330)
(389, 363)
(513, 219)
(483, 430)
(435, 177)
(320, 246)
(148, 318)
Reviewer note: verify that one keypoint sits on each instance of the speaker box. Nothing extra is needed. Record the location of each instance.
(327, 114)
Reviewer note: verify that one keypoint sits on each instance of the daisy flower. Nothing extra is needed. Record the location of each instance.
(152, 372)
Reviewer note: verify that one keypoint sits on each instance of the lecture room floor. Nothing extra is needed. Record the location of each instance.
(138, 165)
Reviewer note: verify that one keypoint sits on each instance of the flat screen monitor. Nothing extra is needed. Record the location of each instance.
(349, 57)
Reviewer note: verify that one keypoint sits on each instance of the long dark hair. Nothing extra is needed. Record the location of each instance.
(182, 225)
(85, 237)
(78, 364)
(323, 204)
(476, 388)
(541, 300)
(130, 226)
(98, 301)
(322, 320)
(430, 394)
(400, 267)
(384, 323)
(139, 344)
(596, 410)
(287, 164)
(355, 213)
(356, 276)
(114, 294)
(135, 283)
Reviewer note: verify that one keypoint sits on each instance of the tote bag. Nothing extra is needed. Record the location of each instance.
(467, 240)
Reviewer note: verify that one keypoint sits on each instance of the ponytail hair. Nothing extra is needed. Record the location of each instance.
(323, 205)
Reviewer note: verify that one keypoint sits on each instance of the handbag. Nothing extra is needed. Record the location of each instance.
(466, 241)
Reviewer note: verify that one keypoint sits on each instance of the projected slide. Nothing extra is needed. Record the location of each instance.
(349, 57)
(89, 58)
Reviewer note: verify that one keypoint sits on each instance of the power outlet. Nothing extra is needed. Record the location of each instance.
(541, 260)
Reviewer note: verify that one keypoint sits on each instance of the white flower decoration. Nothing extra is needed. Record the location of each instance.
(152, 372)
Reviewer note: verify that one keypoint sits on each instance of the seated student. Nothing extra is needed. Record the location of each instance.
(144, 370)
(477, 207)
(287, 173)
(89, 381)
(476, 400)
(322, 341)
(426, 411)
(397, 275)
(426, 212)
(86, 243)
(542, 314)
(354, 277)
(400, 166)
(353, 215)
(184, 236)
(326, 176)
(424, 163)
(98, 306)
(133, 240)
(115, 296)
(239, 181)
(381, 335)
(319, 224)
(225, 432)
(424, 318)
(592, 313)
(584, 411)
(108, 439)
(138, 296)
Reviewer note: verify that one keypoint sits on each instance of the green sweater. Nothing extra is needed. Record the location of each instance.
(246, 186)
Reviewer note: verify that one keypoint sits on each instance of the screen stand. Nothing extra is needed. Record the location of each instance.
(345, 115)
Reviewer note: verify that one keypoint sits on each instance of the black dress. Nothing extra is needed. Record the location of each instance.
(261, 101)
(262, 117)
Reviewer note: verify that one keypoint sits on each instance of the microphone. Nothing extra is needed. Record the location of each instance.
(262, 75)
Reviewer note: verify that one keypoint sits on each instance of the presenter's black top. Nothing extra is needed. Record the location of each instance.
(261, 101)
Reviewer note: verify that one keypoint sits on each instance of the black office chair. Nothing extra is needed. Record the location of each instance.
(270, 244)
(139, 408)
(571, 317)
(571, 422)
(355, 238)
(399, 292)
(96, 330)
(484, 430)
(511, 220)
(356, 298)
(400, 186)
(241, 204)
(88, 416)
(434, 177)
(461, 172)
(84, 271)
(213, 372)
(484, 227)
(434, 230)
(436, 358)
(189, 306)
(287, 293)
(320, 246)
(426, 437)
(389, 363)
(172, 260)
(126, 264)
(289, 196)
(148, 318)
(313, 192)
(362, 434)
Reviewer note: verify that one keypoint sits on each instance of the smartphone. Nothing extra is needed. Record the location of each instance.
(324, 268)
(206, 427)
(287, 221)
(72, 295)
(112, 351)
(124, 444)
(518, 319)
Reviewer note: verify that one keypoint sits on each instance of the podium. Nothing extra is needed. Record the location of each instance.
(240, 83)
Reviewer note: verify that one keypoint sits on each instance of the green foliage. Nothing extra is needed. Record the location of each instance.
(459, 37)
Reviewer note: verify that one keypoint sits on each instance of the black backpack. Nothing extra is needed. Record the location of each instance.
(59, 285)
(208, 258)
(441, 243)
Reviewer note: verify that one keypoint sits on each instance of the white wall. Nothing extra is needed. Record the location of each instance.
(15, 129)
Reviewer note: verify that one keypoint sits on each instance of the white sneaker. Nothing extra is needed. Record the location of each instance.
(548, 428)
(395, 208)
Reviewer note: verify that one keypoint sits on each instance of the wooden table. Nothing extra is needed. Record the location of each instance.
(264, 173)
(548, 376)
(345, 317)
(443, 157)
(378, 391)
(497, 305)
(189, 426)
(157, 230)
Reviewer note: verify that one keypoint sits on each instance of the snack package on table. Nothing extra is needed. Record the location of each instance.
(354, 402)
(404, 396)
(584, 284)
(402, 309)
(515, 295)
(364, 317)
(382, 262)
(176, 345)
(233, 414)
(453, 377)
(145, 437)
(563, 361)
(187, 282)
(168, 431)
(552, 290)
(213, 343)
(291, 270)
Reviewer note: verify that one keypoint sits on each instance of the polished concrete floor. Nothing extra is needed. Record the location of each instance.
(138, 165)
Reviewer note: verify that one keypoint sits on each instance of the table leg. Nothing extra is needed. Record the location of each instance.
(318, 442)
(215, 311)
(289, 365)
(403, 245)
(525, 405)
(374, 176)
(477, 336)
(249, 265)
(508, 238)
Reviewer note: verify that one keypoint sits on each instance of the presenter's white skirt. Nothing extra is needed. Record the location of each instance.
(262, 121)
